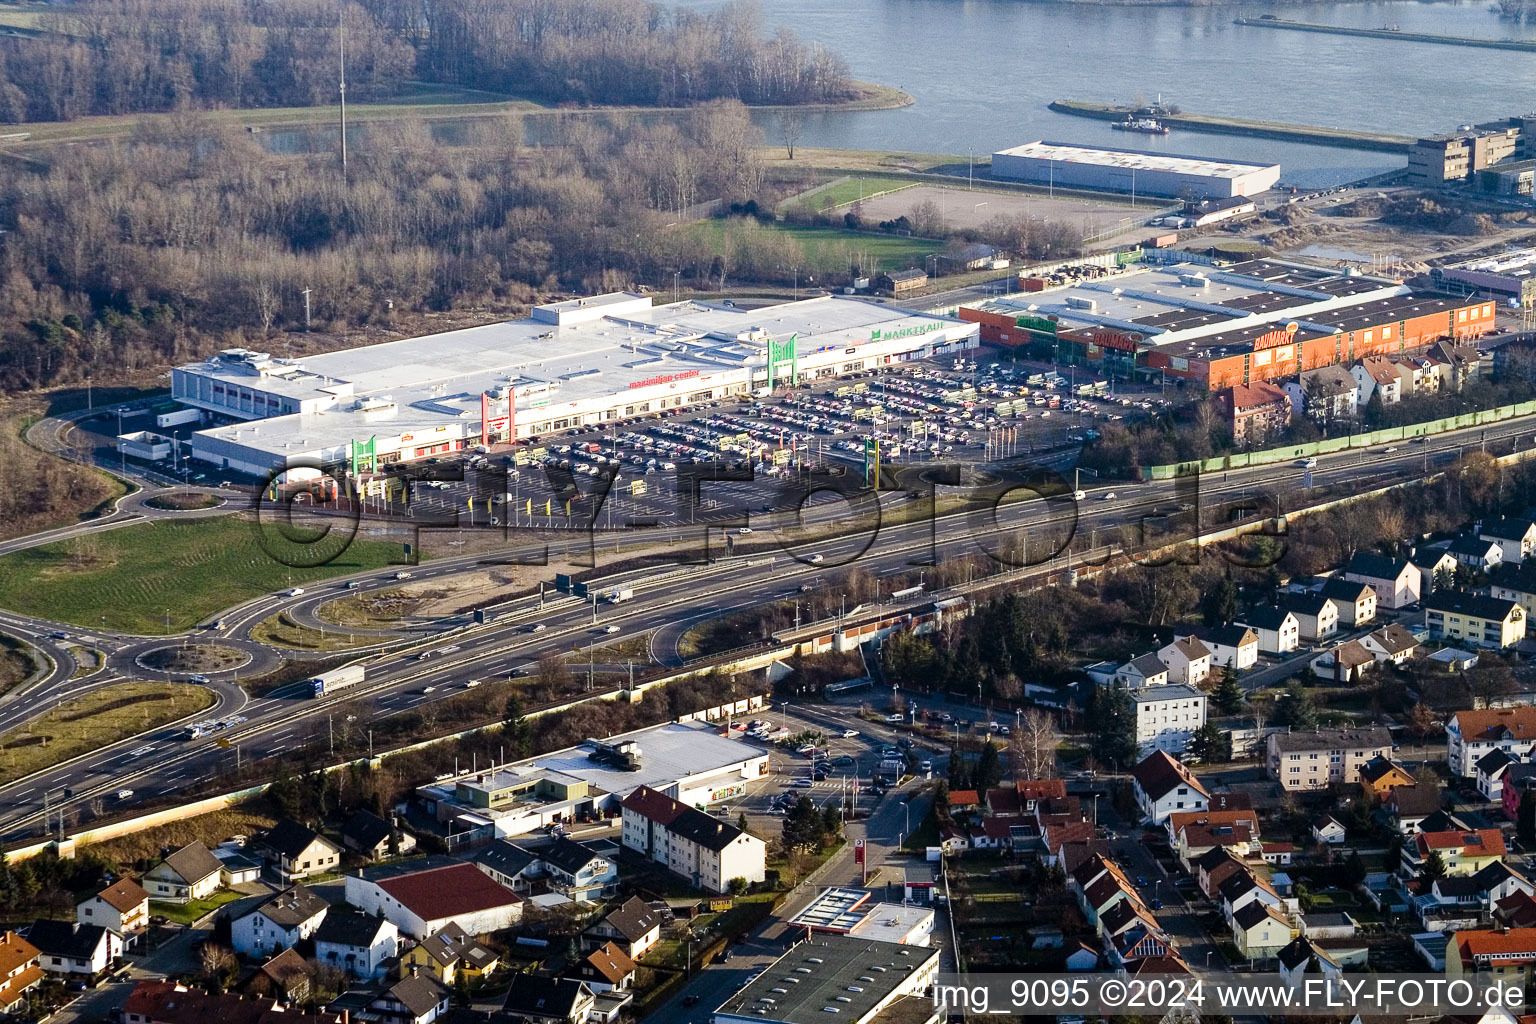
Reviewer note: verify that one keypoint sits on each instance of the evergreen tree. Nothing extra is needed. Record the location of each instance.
(1228, 695)
(1221, 603)
(1434, 867)
(515, 727)
(988, 771)
(959, 770)
(1112, 726)
(1354, 869)
(1296, 710)
(1210, 744)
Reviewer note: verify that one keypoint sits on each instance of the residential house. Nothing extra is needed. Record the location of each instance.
(1317, 617)
(122, 907)
(1516, 538)
(69, 948)
(1212, 869)
(606, 969)
(414, 999)
(278, 922)
(421, 902)
(1343, 663)
(1188, 660)
(1235, 647)
(1455, 362)
(634, 926)
(1397, 581)
(19, 971)
(1381, 775)
(1377, 378)
(1471, 734)
(1437, 568)
(549, 1000)
(1083, 958)
(1304, 958)
(1463, 852)
(448, 952)
(1277, 628)
(1474, 620)
(1327, 394)
(1515, 583)
(1163, 785)
(705, 850)
(1244, 887)
(190, 873)
(1261, 931)
(1491, 954)
(287, 976)
(1390, 643)
(1519, 779)
(1316, 759)
(1517, 910)
(1145, 670)
(1454, 902)
(1327, 830)
(292, 851)
(1416, 375)
(1474, 554)
(236, 867)
(1489, 773)
(578, 871)
(511, 865)
(371, 836)
(1356, 601)
(1167, 716)
(1194, 835)
(1256, 413)
(165, 1002)
(359, 944)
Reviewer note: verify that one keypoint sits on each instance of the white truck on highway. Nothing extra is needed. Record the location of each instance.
(327, 683)
(618, 595)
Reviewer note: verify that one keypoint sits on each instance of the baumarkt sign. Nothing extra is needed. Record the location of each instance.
(905, 332)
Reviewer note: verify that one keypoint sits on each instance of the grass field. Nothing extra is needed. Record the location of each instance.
(847, 190)
(133, 578)
(186, 913)
(830, 250)
(281, 631)
(95, 720)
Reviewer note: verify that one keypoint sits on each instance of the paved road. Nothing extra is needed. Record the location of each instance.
(285, 719)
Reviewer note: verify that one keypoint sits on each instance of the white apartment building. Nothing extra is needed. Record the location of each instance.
(706, 850)
(1471, 734)
(1167, 716)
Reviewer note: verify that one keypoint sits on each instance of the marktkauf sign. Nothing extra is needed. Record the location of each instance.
(877, 334)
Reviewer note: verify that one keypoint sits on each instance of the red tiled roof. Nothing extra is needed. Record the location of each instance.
(1158, 774)
(1072, 832)
(1514, 944)
(1484, 842)
(1037, 789)
(1491, 722)
(448, 892)
(964, 798)
(165, 1002)
(656, 806)
(123, 895)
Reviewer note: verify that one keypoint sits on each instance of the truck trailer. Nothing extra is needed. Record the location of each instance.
(327, 683)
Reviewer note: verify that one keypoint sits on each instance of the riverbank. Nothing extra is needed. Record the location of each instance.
(1522, 45)
(424, 101)
(1214, 124)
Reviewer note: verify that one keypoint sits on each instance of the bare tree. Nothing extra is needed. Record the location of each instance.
(791, 124)
(1034, 746)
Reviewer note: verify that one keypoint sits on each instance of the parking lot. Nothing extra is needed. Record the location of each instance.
(918, 414)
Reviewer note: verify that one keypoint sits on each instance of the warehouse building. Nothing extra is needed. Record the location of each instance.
(839, 977)
(1136, 173)
(1217, 327)
(690, 762)
(1508, 276)
(578, 363)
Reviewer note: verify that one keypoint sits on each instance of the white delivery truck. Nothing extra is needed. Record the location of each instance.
(327, 683)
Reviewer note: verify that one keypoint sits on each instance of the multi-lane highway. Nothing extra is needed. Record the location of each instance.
(158, 763)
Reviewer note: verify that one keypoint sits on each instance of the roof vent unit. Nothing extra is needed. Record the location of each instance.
(1081, 302)
(1195, 280)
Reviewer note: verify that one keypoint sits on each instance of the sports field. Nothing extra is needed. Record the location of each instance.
(966, 208)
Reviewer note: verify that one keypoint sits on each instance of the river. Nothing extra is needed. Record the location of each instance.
(983, 71)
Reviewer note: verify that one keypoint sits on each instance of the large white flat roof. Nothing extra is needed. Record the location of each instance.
(1129, 159)
(669, 754)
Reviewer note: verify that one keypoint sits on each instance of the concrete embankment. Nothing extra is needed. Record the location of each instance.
(1524, 45)
(1384, 142)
